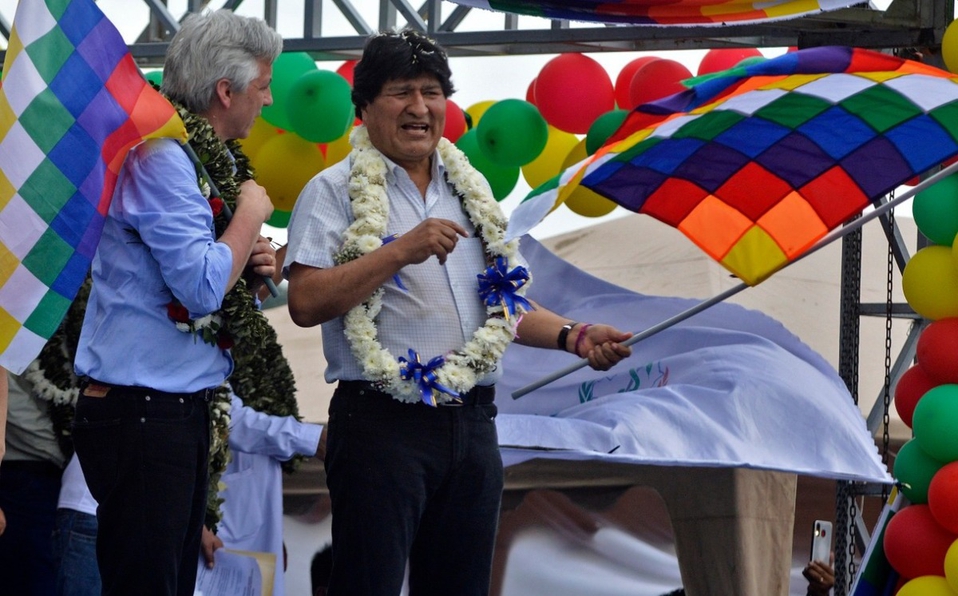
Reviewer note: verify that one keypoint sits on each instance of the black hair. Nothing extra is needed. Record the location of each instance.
(398, 56)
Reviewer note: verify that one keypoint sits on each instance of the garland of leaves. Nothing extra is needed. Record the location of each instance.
(261, 377)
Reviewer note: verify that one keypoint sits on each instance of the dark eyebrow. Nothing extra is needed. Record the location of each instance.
(400, 87)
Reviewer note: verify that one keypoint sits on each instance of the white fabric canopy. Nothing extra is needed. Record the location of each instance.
(728, 387)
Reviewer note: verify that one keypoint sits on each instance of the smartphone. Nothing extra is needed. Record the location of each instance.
(821, 541)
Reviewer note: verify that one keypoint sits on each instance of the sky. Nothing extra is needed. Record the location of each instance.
(476, 78)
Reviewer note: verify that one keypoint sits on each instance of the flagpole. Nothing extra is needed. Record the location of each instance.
(227, 212)
(822, 243)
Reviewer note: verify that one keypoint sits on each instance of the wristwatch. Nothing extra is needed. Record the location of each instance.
(564, 335)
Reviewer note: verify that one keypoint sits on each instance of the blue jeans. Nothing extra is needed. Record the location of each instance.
(144, 454)
(28, 498)
(75, 542)
(409, 482)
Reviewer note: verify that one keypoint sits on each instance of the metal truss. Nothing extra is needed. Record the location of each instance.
(904, 24)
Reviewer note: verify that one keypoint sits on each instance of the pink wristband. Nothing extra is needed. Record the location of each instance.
(578, 339)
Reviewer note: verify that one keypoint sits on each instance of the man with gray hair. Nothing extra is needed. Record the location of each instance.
(155, 339)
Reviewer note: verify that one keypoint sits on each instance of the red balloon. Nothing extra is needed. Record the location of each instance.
(937, 351)
(455, 122)
(657, 79)
(531, 92)
(915, 544)
(943, 497)
(345, 70)
(912, 384)
(624, 80)
(724, 58)
(573, 90)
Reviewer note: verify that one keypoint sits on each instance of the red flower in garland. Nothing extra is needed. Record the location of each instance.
(216, 204)
(177, 312)
(224, 340)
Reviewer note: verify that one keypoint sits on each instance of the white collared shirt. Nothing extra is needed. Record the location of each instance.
(440, 309)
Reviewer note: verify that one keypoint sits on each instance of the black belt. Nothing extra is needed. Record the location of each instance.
(480, 395)
(93, 388)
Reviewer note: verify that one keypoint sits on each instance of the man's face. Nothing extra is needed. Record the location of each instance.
(406, 120)
(246, 105)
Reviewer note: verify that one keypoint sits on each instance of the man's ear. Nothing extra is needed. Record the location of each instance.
(224, 92)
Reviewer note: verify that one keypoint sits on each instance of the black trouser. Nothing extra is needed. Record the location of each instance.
(28, 499)
(144, 454)
(409, 482)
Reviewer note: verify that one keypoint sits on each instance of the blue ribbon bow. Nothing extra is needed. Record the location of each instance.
(425, 377)
(498, 285)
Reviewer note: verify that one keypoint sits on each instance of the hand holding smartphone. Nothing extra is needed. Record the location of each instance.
(821, 541)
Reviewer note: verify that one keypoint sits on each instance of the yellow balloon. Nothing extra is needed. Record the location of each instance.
(949, 47)
(926, 585)
(476, 110)
(549, 162)
(930, 283)
(284, 165)
(951, 566)
(337, 150)
(583, 201)
(261, 132)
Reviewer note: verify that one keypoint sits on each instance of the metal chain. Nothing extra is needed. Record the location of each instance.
(886, 390)
(849, 338)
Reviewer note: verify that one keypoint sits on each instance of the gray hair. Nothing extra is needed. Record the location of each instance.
(212, 46)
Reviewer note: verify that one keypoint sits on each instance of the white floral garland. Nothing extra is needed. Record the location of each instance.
(43, 388)
(367, 191)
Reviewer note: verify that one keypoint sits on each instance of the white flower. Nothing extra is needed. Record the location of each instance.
(367, 192)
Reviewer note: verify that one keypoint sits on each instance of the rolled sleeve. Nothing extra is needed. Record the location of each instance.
(164, 205)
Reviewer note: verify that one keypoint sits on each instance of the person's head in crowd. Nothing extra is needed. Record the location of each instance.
(219, 65)
(401, 56)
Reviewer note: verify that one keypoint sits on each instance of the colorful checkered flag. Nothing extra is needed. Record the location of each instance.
(72, 104)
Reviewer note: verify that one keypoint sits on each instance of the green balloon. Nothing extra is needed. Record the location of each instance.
(936, 211)
(914, 469)
(502, 179)
(287, 68)
(602, 128)
(512, 132)
(155, 77)
(319, 106)
(935, 422)
(279, 219)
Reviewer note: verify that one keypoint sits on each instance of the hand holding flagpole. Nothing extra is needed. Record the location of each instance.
(822, 243)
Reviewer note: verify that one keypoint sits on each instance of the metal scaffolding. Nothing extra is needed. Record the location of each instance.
(904, 24)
